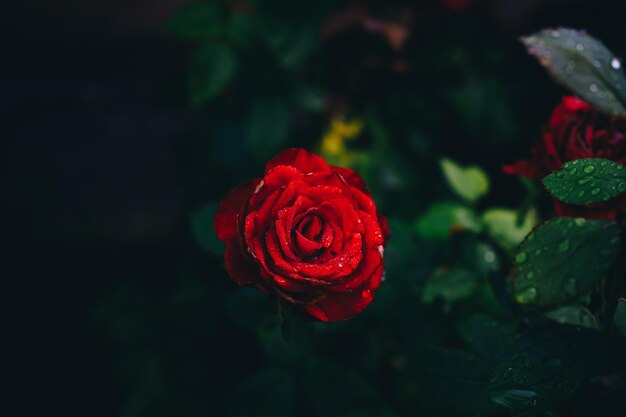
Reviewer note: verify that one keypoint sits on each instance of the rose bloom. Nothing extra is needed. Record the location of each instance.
(307, 232)
(575, 131)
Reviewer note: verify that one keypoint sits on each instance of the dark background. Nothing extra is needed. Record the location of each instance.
(108, 306)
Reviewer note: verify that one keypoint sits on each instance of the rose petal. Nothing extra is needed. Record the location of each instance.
(342, 306)
(304, 161)
(225, 222)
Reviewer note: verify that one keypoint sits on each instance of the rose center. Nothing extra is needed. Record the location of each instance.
(311, 235)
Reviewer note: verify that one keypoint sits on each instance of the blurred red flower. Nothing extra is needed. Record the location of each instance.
(576, 130)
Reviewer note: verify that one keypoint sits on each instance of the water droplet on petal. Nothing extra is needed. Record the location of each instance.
(616, 64)
(366, 293)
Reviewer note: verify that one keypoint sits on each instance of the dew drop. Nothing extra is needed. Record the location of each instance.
(580, 47)
(616, 64)
(527, 296)
(521, 257)
(585, 180)
(530, 275)
(489, 256)
(564, 246)
(579, 221)
(593, 88)
(597, 64)
(621, 187)
(366, 293)
(589, 168)
(595, 191)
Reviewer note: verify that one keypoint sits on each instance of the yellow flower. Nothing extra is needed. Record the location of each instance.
(334, 141)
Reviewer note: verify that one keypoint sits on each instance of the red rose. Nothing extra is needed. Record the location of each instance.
(575, 131)
(307, 232)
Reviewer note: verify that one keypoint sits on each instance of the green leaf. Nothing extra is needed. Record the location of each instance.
(336, 391)
(450, 381)
(587, 181)
(292, 44)
(488, 338)
(441, 218)
(450, 285)
(269, 393)
(504, 227)
(529, 384)
(195, 21)
(212, 69)
(583, 64)
(563, 259)
(267, 127)
(470, 183)
(619, 319)
(202, 229)
(574, 315)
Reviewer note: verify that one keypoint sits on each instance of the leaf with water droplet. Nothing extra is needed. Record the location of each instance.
(450, 285)
(566, 258)
(599, 180)
(583, 64)
(527, 384)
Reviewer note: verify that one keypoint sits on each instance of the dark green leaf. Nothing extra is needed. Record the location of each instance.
(450, 381)
(267, 127)
(587, 181)
(563, 259)
(489, 338)
(335, 391)
(583, 64)
(203, 231)
(620, 317)
(270, 393)
(212, 69)
(198, 20)
(450, 285)
(526, 383)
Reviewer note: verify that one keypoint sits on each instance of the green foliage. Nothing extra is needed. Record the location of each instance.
(202, 229)
(587, 181)
(563, 259)
(196, 21)
(443, 217)
(583, 64)
(450, 285)
(212, 69)
(267, 127)
(505, 227)
(470, 183)
(620, 317)
(574, 315)
(269, 393)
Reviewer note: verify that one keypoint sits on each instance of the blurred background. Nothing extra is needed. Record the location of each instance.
(121, 130)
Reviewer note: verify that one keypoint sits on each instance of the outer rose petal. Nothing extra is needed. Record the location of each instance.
(352, 178)
(344, 305)
(225, 222)
(299, 158)
(240, 266)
